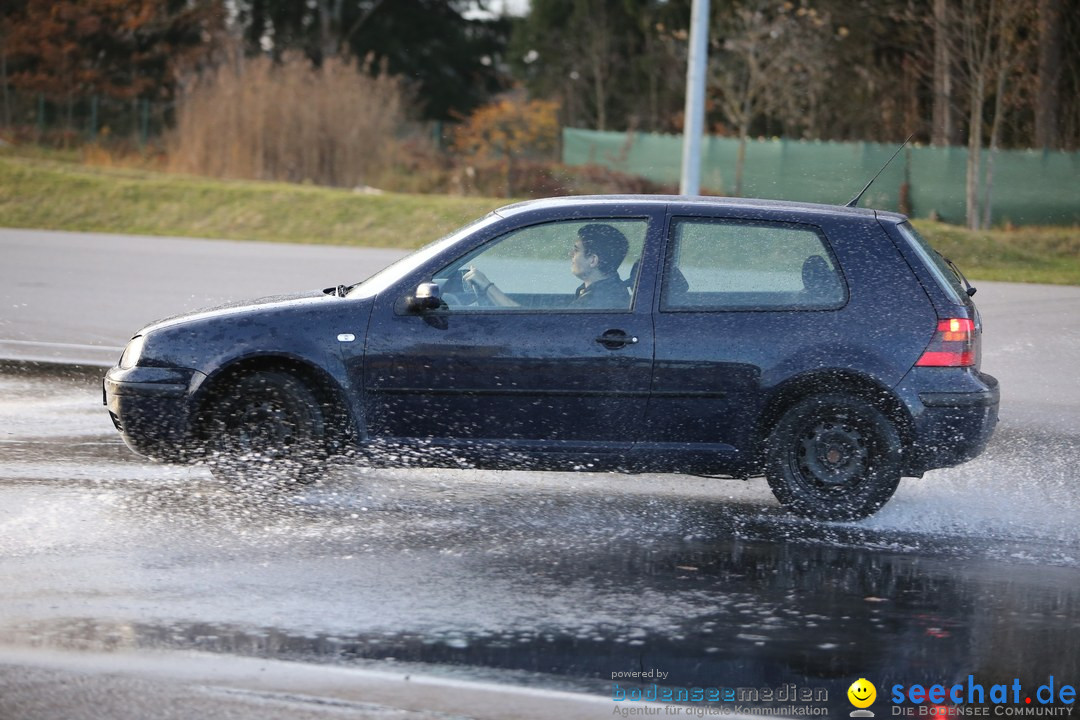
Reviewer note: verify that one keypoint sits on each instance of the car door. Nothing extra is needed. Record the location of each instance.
(739, 299)
(542, 374)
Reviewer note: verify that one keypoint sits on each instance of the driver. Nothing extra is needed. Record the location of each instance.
(598, 252)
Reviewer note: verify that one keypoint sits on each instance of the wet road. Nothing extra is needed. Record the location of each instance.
(538, 579)
(533, 580)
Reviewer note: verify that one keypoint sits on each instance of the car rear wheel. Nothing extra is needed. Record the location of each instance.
(833, 457)
(266, 427)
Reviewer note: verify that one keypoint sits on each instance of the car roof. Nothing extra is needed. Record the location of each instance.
(688, 202)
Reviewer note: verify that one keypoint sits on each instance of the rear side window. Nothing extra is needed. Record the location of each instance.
(735, 265)
(933, 260)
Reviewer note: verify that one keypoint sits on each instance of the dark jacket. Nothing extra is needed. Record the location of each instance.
(609, 293)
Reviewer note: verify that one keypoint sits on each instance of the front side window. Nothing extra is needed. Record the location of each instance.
(730, 265)
(567, 265)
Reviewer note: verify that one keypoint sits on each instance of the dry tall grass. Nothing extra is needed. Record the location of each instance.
(255, 119)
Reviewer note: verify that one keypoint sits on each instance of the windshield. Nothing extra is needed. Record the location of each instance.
(394, 272)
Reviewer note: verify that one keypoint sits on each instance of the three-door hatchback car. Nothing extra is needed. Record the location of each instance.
(827, 348)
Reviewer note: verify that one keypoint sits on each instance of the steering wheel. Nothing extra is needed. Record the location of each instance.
(480, 299)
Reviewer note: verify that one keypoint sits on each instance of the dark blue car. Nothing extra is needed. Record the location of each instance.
(830, 349)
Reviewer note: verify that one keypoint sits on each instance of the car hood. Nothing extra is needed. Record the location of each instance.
(239, 308)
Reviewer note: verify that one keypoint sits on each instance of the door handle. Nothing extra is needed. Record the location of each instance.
(615, 339)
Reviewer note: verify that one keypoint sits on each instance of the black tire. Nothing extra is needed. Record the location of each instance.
(833, 457)
(266, 427)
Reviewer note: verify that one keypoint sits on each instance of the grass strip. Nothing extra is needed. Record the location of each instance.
(51, 194)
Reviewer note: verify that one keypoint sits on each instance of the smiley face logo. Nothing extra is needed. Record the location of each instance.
(862, 693)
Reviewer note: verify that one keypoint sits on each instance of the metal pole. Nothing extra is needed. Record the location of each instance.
(694, 117)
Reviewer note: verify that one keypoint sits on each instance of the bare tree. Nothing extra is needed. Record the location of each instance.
(750, 73)
(1051, 42)
(987, 33)
(598, 53)
(942, 131)
(1011, 64)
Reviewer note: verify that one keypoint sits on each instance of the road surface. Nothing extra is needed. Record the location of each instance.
(123, 578)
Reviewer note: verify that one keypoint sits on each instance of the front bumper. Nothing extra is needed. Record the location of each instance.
(151, 408)
(953, 426)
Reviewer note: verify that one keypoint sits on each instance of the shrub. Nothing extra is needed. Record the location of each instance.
(509, 128)
(289, 121)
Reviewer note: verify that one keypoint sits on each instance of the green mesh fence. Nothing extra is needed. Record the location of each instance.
(1030, 187)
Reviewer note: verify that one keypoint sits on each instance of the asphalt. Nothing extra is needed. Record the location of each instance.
(70, 299)
(78, 297)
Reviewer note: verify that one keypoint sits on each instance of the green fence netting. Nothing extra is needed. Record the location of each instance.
(1029, 188)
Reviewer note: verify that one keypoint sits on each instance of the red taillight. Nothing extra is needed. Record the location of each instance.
(953, 345)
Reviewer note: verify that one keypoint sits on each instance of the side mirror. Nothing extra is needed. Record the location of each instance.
(428, 296)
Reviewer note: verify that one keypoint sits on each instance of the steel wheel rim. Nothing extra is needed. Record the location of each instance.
(831, 454)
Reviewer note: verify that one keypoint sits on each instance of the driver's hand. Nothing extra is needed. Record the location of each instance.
(476, 278)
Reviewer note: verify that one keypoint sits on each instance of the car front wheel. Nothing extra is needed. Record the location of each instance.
(265, 427)
(833, 457)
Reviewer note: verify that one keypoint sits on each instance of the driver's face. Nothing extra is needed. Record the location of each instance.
(579, 260)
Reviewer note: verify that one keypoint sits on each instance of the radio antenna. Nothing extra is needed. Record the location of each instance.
(855, 200)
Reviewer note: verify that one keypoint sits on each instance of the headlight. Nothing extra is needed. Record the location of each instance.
(132, 352)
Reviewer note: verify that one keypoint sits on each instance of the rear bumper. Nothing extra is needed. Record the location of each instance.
(953, 426)
(150, 408)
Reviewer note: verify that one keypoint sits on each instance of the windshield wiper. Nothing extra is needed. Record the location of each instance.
(340, 290)
(968, 288)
